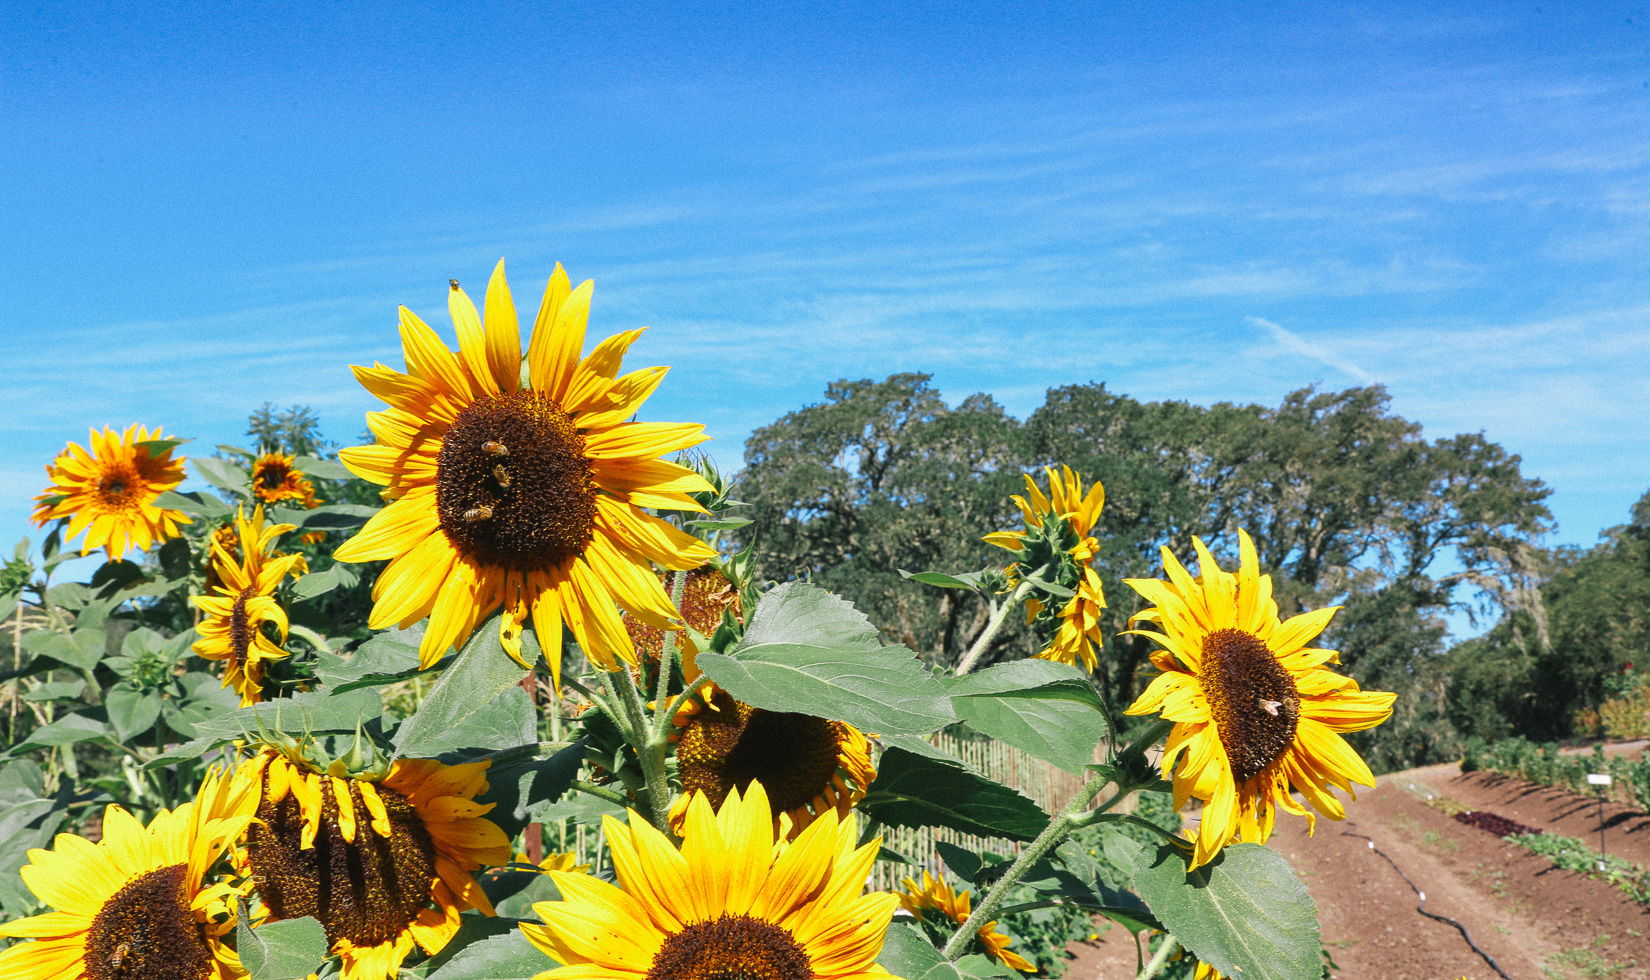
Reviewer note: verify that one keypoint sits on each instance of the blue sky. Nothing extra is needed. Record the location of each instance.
(205, 207)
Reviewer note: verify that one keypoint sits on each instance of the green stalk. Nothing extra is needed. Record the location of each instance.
(1160, 958)
(667, 658)
(652, 760)
(992, 628)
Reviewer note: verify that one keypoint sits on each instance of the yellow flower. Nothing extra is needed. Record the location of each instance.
(276, 477)
(381, 864)
(704, 597)
(232, 629)
(734, 901)
(807, 766)
(567, 861)
(110, 492)
(526, 496)
(137, 903)
(935, 898)
(1255, 711)
(1056, 538)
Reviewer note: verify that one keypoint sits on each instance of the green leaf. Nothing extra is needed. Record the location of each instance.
(1052, 588)
(722, 524)
(320, 583)
(481, 673)
(1245, 913)
(391, 655)
(912, 790)
(28, 819)
(326, 469)
(56, 691)
(811, 652)
(198, 502)
(334, 517)
(1048, 709)
(519, 788)
(158, 446)
(77, 726)
(509, 956)
(131, 711)
(286, 950)
(970, 581)
(519, 890)
(980, 968)
(222, 473)
(314, 711)
(908, 954)
(505, 722)
(245, 454)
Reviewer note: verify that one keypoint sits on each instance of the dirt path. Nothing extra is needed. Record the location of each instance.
(1538, 922)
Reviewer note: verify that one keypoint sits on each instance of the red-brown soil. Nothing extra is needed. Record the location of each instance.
(1540, 923)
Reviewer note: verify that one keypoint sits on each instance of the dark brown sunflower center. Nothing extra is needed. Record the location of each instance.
(366, 890)
(1252, 698)
(513, 486)
(734, 947)
(272, 476)
(240, 628)
(146, 932)
(793, 756)
(116, 486)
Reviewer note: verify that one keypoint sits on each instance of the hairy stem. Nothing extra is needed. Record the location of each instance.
(649, 754)
(992, 628)
(1160, 958)
(591, 789)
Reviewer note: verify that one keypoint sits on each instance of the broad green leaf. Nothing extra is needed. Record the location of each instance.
(157, 446)
(980, 968)
(519, 787)
(1245, 913)
(482, 671)
(506, 956)
(314, 711)
(722, 524)
(8, 603)
(1048, 709)
(70, 595)
(326, 469)
(77, 726)
(970, 580)
(222, 473)
(56, 691)
(131, 711)
(28, 819)
(390, 655)
(798, 613)
(916, 791)
(505, 722)
(577, 807)
(245, 454)
(333, 517)
(199, 502)
(908, 954)
(519, 891)
(286, 950)
(320, 583)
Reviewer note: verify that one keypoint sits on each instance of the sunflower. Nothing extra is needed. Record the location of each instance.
(807, 766)
(111, 491)
(1255, 711)
(381, 864)
(136, 904)
(705, 595)
(935, 900)
(276, 477)
(1056, 540)
(732, 902)
(232, 630)
(529, 496)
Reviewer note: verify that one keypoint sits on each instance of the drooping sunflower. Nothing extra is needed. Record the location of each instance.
(807, 766)
(137, 904)
(1255, 710)
(1056, 539)
(244, 600)
(525, 495)
(705, 596)
(935, 900)
(110, 491)
(733, 902)
(381, 863)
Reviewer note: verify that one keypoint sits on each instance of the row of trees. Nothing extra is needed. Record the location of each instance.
(1348, 504)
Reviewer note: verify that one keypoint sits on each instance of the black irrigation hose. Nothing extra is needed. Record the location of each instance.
(1422, 907)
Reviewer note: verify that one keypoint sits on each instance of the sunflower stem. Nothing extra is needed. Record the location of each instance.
(1160, 958)
(650, 754)
(984, 642)
(675, 705)
(591, 789)
(667, 654)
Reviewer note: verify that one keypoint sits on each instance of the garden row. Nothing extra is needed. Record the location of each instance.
(1543, 763)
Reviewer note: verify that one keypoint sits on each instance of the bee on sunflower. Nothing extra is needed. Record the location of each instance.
(380, 853)
(935, 903)
(526, 495)
(137, 904)
(1256, 715)
(735, 900)
(109, 492)
(1056, 547)
(245, 582)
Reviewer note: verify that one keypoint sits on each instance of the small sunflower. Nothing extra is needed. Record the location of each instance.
(705, 595)
(110, 492)
(807, 766)
(1255, 711)
(276, 477)
(136, 905)
(1056, 540)
(232, 630)
(529, 496)
(381, 863)
(935, 899)
(733, 902)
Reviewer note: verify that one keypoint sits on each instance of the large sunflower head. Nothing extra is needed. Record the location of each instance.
(934, 902)
(110, 491)
(382, 863)
(1255, 710)
(732, 902)
(276, 477)
(243, 601)
(806, 766)
(526, 494)
(1056, 547)
(137, 904)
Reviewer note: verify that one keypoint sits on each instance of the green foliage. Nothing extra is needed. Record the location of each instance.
(914, 790)
(287, 950)
(1545, 764)
(1575, 854)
